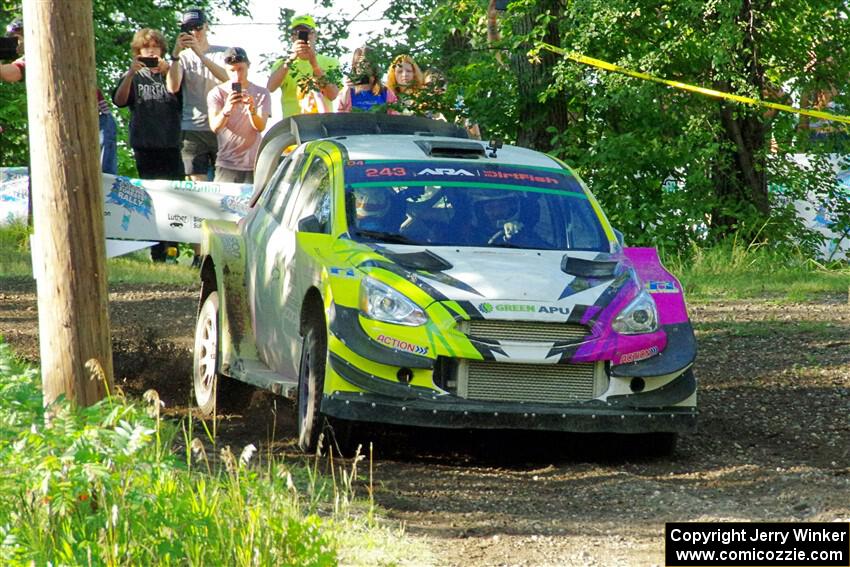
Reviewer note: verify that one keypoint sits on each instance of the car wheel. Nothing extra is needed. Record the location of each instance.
(311, 380)
(213, 392)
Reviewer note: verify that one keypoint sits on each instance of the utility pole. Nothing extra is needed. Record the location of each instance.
(68, 242)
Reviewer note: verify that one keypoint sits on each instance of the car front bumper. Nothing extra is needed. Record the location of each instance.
(449, 411)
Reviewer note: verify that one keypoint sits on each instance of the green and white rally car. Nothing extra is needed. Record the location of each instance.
(390, 270)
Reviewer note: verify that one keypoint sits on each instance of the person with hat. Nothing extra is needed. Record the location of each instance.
(197, 67)
(304, 72)
(238, 111)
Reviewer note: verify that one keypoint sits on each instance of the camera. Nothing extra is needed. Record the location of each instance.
(8, 48)
(304, 35)
(149, 61)
(236, 87)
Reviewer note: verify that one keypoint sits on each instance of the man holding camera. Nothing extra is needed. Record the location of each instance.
(304, 71)
(197, 67)
(239, 111)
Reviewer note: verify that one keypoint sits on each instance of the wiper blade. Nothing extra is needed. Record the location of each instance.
(385, 236)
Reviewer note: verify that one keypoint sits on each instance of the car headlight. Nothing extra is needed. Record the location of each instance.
(381, 302)
(639, 317)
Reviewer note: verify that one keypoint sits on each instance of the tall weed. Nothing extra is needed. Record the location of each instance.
(101, 486)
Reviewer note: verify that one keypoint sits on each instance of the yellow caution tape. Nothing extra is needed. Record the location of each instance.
(579, 58)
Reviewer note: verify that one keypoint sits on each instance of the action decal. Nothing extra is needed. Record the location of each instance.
(402, 345)
(639, 355)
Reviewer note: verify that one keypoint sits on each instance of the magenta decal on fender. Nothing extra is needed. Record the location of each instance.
(402, 345)
(638, 355)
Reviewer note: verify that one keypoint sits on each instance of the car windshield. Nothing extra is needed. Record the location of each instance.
(452, 204)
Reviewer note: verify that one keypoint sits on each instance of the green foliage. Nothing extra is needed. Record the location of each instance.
(100, 486)
(737, 270)
(630, 138)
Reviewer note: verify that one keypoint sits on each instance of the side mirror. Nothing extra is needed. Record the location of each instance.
(309, 224)
(620, 238)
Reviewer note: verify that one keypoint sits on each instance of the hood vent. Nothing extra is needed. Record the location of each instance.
(427, 260)
(589, 268)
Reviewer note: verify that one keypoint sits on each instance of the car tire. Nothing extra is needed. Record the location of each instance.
(214, 393)
(311, 381)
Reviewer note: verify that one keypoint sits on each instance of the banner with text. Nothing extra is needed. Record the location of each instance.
(143, 209)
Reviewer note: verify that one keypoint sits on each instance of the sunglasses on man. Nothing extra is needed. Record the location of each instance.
(234, 59)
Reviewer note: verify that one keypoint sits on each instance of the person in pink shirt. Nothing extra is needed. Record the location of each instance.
(238, 112)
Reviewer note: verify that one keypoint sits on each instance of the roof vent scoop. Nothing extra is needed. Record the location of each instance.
(451, 149)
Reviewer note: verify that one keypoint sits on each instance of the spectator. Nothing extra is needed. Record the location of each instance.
(197, 68)
(238, 114)
(154, 112)
(304, 74)
(16, 71)
(366, 93)
(405, 80)
(435, 85)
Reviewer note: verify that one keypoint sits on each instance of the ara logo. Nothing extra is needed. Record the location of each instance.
(444, 171)
(522, 307)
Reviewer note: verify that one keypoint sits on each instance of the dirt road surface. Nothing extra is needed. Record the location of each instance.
(773, 442)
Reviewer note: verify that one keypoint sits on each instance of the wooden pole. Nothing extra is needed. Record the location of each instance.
(69, 248)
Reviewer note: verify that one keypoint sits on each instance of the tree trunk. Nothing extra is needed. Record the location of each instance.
(741, 182)
(536, 117)
(69, 247)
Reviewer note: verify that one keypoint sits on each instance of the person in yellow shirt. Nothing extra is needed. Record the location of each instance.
(303, 75)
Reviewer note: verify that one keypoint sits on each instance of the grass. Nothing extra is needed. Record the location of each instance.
(104, 486)
(136, 267)
(734, 271)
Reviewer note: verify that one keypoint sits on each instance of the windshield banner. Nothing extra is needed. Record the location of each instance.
(142, 209)
(458, 173)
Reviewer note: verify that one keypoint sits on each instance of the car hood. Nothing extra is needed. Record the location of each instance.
(512, 283)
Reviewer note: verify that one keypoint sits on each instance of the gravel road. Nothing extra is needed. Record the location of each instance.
(773, 442)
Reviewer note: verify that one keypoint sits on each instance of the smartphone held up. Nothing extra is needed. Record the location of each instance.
(149, 61)
(236, 87)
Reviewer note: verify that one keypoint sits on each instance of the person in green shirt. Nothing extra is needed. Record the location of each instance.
(303, 75)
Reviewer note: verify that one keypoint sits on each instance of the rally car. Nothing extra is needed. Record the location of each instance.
(391, 270)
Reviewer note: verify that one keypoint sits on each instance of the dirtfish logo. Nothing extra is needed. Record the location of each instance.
(522, 308)
(402, 345)
(445, 171)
